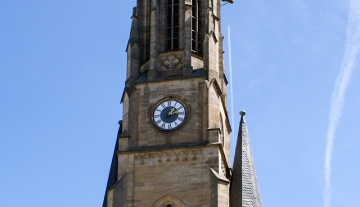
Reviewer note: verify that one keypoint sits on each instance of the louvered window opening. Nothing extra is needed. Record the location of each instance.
(196, 28)
(172, 27)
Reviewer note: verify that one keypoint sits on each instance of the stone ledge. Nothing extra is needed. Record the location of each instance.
(167, 146)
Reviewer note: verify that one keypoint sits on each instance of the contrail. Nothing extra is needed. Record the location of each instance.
(231, 88)
(338, 97)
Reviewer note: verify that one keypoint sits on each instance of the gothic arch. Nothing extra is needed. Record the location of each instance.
(168, 200)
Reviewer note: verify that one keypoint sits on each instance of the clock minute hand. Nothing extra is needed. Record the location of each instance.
(172, 112)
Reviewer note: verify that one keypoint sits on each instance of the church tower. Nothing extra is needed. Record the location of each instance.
(173, 147)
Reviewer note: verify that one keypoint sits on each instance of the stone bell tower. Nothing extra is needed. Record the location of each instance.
(172, 148)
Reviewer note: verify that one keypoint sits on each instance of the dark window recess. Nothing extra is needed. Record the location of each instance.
(196, 28)
(172, 27)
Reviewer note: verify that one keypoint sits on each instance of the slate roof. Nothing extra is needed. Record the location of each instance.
(244, 181)
(113, 168)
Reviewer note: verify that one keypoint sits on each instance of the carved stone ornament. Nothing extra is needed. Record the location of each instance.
(170, 62)
(166, 157)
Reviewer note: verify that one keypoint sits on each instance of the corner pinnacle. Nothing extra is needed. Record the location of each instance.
(242, 113)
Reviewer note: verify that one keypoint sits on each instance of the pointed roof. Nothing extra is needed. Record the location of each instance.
(114, 167)
(133, 32)
(243, 180)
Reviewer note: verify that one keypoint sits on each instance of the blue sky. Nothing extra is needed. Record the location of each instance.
(62, 70)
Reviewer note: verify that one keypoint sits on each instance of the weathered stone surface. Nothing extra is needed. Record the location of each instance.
(189, 166)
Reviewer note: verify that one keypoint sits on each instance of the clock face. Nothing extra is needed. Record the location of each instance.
(169, 115)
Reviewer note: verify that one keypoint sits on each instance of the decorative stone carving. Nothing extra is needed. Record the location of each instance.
(170, 61)
(166, 157)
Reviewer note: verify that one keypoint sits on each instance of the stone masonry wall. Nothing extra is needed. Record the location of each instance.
(184, 173)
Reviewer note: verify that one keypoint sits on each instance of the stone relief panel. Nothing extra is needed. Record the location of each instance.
(166, 157)
(171, 61)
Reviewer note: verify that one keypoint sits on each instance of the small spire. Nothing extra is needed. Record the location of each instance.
(134, 12)
(244, 189)
(114, 166)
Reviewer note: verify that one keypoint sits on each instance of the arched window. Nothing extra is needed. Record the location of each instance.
(172, 26)
(196, 28)
(168, 201)
(168, 205)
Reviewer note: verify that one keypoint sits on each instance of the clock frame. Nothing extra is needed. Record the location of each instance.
(169, 114)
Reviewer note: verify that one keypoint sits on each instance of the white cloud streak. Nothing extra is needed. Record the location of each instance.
(338, 96)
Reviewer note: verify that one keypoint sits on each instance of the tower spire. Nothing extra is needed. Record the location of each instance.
(244, 190)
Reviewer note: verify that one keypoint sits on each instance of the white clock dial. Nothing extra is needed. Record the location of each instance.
(169, 115)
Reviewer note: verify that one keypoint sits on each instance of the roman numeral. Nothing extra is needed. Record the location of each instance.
(158, 110)
(180, 108)
(158, 122)
(180, 119)
(163, 105)
(176, 124)
(169, 126)
(157, 116)
(182, 113)
(169, 103)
